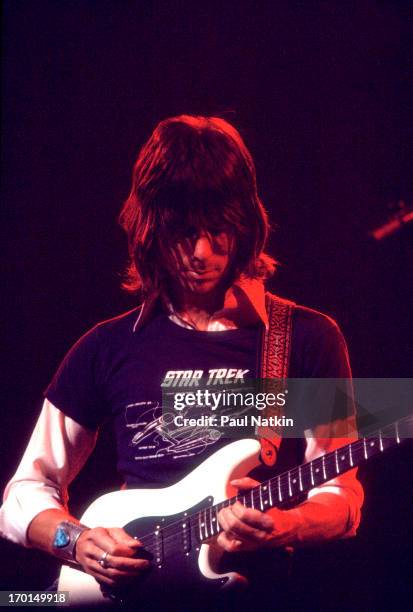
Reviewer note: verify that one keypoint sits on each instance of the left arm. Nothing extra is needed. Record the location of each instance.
(325, 516)
(332, 510)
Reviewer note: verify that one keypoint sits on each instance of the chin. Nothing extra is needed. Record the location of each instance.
(203, 288)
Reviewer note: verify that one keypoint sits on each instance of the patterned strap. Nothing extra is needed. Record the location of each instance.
(274, 365)
(275, 355)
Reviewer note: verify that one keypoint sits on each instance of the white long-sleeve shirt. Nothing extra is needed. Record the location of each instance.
(57, 451)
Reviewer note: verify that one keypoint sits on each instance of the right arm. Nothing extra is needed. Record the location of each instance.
(35, 499)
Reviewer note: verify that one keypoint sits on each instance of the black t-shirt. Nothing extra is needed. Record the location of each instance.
(115, 372)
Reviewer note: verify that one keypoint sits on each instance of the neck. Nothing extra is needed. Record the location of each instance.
(197, 309)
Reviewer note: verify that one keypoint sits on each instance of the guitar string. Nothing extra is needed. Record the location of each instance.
(172, 530)
(169, 531)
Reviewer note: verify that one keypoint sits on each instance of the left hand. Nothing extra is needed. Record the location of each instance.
(247, 529)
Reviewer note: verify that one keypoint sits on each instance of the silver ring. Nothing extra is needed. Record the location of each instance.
(103, 560)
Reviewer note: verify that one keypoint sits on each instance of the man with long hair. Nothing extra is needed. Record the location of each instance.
(197, 232)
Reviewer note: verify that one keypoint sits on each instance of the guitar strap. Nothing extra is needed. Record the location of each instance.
(274, 366)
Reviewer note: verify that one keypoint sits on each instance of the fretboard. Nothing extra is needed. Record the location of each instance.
(288, 486)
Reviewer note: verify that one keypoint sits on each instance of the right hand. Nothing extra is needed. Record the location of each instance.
(120, 546)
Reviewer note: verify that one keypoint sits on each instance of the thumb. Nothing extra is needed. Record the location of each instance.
(120, 536)
(244, 483)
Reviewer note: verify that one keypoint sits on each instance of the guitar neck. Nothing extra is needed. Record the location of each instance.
(289, 486)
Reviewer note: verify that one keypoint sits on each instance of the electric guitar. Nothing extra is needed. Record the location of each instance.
(175, 539)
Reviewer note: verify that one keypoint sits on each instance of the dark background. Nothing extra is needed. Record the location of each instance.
(322, 93)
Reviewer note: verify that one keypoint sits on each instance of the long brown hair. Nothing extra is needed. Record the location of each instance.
(194, 173)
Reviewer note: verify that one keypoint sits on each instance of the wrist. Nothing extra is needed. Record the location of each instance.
(287, 524)
(65, 539)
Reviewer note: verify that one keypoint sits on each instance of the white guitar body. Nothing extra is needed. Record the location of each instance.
(209, 480)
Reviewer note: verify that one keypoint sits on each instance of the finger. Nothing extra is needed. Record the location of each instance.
(253, 517)
(228, 539)
(244, 483)
(228, 543)
(236, 527)
(107, 543)
(120, 536)
(115, 573)
(238, 515)
(125, 564)
(109, 577)
(101, 578)
(224, 519)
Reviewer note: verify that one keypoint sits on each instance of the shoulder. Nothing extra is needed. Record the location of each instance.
(318, 347)
(313, 324)
(305, 320)
(77, 386)
(120, 324)
(105, 333)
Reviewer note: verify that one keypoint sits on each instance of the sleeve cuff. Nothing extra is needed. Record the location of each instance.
(22, 506)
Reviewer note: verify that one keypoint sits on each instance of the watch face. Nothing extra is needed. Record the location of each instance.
(61, 538)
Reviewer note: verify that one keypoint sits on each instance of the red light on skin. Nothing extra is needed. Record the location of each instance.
(204, 260)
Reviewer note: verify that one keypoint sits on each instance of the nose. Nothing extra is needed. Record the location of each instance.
(202, 247)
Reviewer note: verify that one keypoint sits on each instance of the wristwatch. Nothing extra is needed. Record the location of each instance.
(65, 538)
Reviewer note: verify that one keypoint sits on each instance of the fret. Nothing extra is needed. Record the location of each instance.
(200, 525)
(289, 485)
(205, 519)
(294, 482)
(297, 480)
(265, 490)
(270, 494)
(324, 467)
(204, 522)
(215, 523)
(211, 523)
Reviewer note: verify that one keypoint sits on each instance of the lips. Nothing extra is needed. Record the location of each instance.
(202, 275)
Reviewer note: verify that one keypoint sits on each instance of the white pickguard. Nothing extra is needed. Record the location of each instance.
(210, 479)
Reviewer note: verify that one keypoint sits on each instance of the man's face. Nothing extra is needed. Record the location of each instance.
(203, 260)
